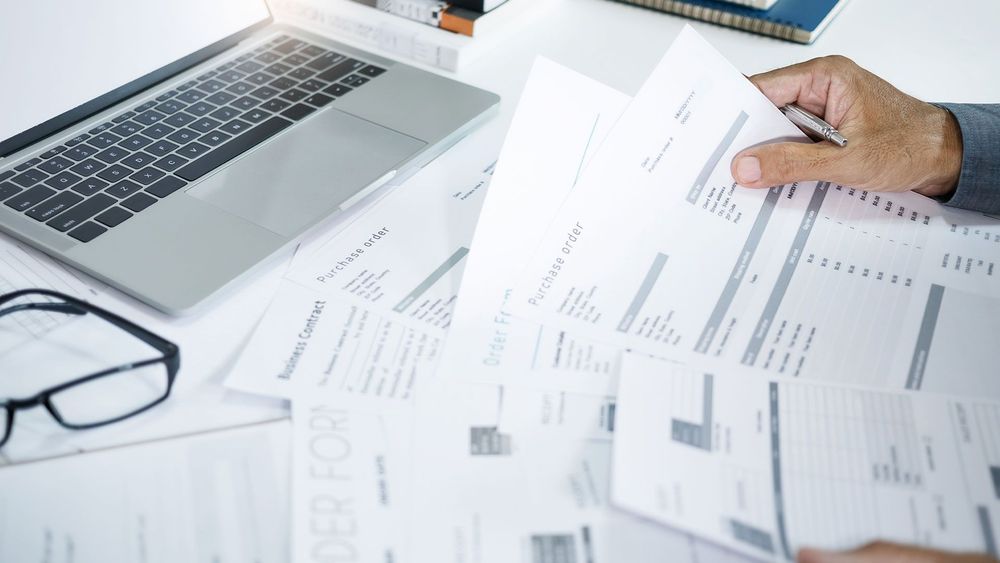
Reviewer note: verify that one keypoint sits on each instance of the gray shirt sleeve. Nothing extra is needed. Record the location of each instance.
(979, 183)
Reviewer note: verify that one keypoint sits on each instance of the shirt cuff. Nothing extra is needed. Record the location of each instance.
(979, 181)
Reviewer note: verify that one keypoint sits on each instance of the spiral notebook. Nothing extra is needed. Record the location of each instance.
(795, 20)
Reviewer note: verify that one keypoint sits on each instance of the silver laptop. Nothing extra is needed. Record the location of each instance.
(168, 146)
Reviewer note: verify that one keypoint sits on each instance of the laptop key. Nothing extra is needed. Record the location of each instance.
(170, 163)
(354, 81)
(30, 198)
(88, 167)
(135, 142)
(124, 117)
(211, 86)
(290, 46)
(165, 187)
(101, 128)
(113, 217)
(182, 136)
(232, 149)
(235, 127)
(161, 148)
(283, 83)
(149, 117)
(259, 78)
(312, 51)
(27, 164)
(341, 70)
(145, 106)
(187, 85)
(193, 150)
(325, 61)
(337, 90)
(231, 76)
(170, 107)
(264, 93)
(104, 140)
(166, 96)
(123, 189)
(80, 152)
(111, 154)
(249, 66)
(77, 140)
(301, 73)
(278, 69)
(87, 231)
(371, 71)
(6, 175)
(220, 98)
(298, 111)
(115, 173)
(62, 180)
(89, 186)
(126, 129)
(52, 152)
(240, 88)
(296, 60)
(29, 178)
(7, 190)
(275, 105)
(179, 119)
(294, 95)
(207, 75)
(147, 175)
(190, 96)
(53, 206)
(157, 131)
(205, 124)
(224, 113)
(55, 165)
(137, 160)
(267, 57)
(81, 212)
(245, 103)
(318, 100)
(214, 138)
(256, 115)
(201, 108)
(138, 202)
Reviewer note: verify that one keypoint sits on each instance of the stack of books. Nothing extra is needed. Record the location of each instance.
(442, 34)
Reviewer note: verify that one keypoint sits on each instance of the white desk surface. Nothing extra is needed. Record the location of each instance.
(936, 51)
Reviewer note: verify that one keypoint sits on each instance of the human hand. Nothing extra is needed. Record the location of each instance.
(896, 142)
(884, 552)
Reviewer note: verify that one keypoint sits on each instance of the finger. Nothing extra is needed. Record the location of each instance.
(802, 83)
(775, 164)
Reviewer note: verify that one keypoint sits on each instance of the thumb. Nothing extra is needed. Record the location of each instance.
(775, 164)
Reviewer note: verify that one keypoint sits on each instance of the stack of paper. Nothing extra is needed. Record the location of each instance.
(599, 349)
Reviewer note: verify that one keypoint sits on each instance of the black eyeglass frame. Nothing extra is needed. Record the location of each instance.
(169, 356)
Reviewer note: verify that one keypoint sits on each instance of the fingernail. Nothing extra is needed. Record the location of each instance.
(747, 170)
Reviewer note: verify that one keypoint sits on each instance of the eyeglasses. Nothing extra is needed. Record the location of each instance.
(100, 398)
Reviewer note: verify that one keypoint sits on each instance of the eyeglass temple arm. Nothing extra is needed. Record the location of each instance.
(65, 308)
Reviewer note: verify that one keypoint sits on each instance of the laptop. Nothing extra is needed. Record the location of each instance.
(167, 147)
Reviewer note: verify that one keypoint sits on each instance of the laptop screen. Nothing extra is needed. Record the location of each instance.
(57, 55)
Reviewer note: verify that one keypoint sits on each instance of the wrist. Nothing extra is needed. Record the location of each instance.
(944, 137)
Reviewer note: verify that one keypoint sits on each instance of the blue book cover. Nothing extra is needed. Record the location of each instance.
(795, 20)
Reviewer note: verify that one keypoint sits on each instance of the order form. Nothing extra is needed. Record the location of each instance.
(769, 465)
(658, 250)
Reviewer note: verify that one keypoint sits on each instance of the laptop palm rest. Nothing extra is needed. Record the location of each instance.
(307, 172)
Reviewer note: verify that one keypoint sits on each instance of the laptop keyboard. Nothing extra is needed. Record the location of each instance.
(100, 179)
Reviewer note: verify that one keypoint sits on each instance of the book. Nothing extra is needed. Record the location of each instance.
(368, 28)
(759, 4)
(447, 15)
(801, 21)
(477, 5)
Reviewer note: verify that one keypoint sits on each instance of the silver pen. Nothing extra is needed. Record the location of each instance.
(812, 124)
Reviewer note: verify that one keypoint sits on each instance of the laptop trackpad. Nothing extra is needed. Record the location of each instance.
(307, 172)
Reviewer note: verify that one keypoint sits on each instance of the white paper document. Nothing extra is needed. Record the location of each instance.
(560, 122)
(658, 250)
(349, 489)
(534, 491)
(220, 496)
(768, 466)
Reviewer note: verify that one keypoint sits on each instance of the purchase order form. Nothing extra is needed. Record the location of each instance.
(769, 465)
(658, 250)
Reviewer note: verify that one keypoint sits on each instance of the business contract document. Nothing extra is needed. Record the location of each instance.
(349, 487)
(560, 121)
(362, 317)
(658, 250)
(770, 465)
(220, 496)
